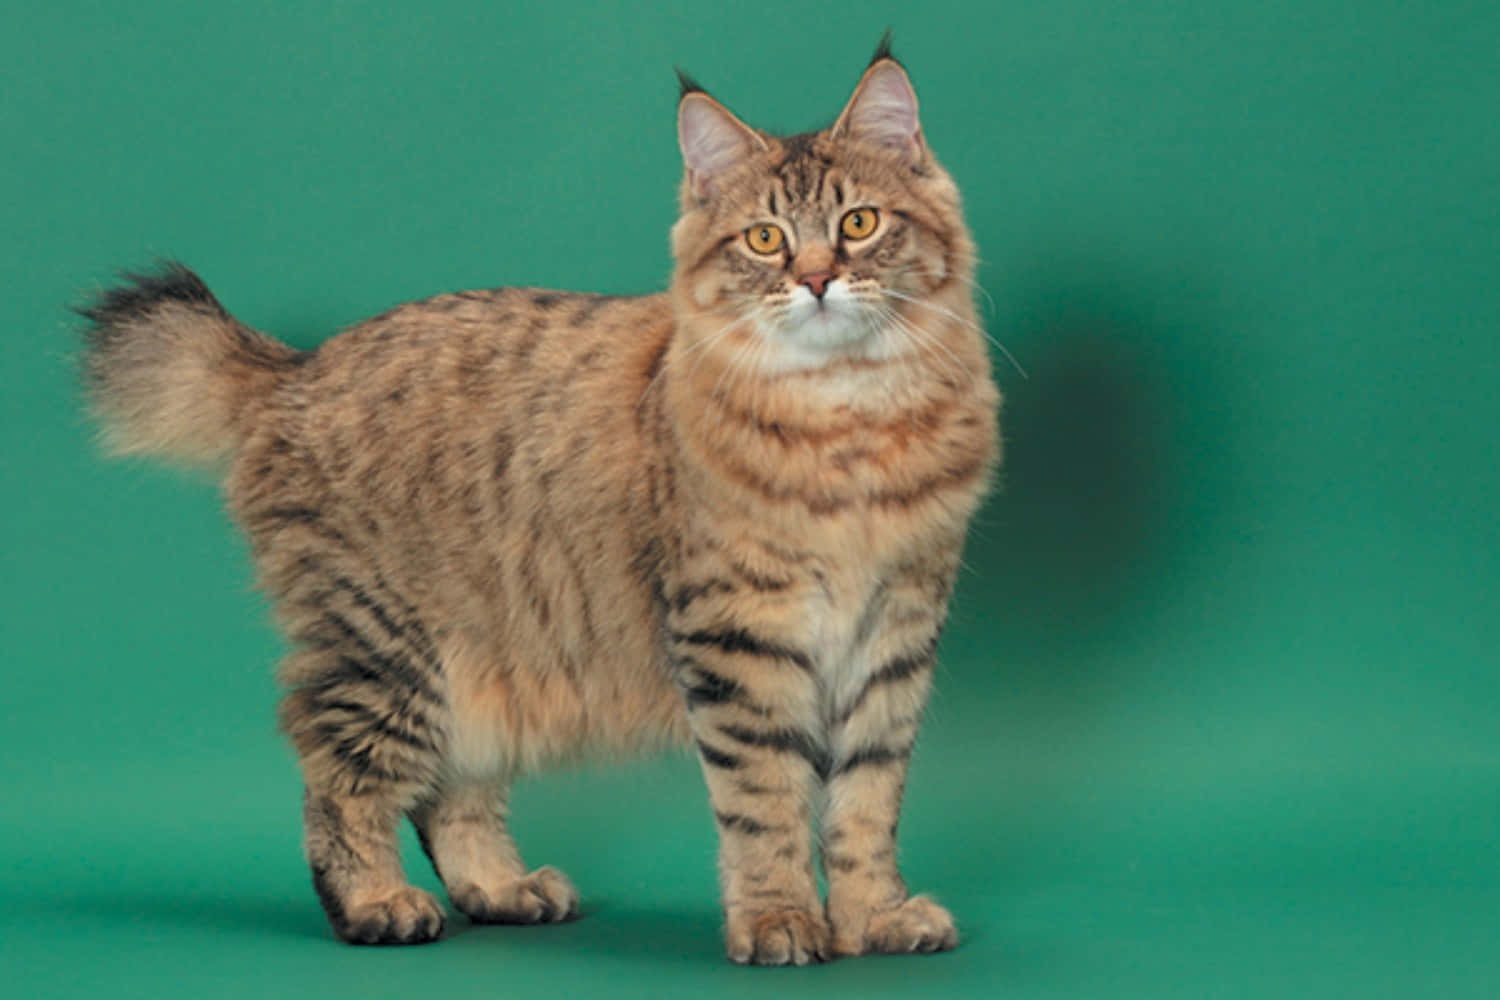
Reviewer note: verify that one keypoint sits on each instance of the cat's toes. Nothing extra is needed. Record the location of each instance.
(777, 937)
(406, 916)
(543, 897)
(917, 925)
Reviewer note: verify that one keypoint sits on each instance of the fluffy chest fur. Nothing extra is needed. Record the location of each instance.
(823, 505)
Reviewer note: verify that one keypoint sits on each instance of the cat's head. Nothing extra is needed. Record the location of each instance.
(823, 245)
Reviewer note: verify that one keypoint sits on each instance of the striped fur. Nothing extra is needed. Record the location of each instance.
(508, 529)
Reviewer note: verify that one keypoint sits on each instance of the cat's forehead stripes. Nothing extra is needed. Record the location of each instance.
(805, 185)
(803, 166)
(836, 184)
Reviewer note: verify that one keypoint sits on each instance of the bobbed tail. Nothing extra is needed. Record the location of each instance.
(169, 372)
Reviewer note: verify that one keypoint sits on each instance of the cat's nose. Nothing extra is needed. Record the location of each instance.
(817, 282)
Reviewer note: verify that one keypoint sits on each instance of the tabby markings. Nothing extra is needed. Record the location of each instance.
(738, 640)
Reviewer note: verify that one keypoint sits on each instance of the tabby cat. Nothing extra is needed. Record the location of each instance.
(507, 529)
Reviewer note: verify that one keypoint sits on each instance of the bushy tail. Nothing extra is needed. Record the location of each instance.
(169, 372)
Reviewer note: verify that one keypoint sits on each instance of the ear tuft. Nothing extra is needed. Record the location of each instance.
(687, 83)
(883, 50)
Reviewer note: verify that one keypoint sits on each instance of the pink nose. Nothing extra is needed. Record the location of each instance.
(817, 282)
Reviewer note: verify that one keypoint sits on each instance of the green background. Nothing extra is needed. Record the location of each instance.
(1218, 710)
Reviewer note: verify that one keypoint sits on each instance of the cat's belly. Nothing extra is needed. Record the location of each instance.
(509, 717)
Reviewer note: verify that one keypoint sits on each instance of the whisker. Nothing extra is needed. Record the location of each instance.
(952, 365)
(962, 321)
(971, 282)
(926, 344)
(733, 366)
(707, 342)
(699, 346)
(755, 363)
(883, 330)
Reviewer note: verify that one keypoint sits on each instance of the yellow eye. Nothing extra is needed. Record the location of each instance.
(859, 223)
(765, 238)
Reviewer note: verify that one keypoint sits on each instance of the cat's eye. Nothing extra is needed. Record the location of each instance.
(859, 223)
(765, 238)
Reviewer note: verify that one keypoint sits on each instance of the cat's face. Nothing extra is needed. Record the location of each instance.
(821, 246)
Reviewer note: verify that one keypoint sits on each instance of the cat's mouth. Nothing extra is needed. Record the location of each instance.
(834, 322)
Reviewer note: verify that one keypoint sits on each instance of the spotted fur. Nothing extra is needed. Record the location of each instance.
(507, 529)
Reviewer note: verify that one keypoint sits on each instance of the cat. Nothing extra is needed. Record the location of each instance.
(511, 528)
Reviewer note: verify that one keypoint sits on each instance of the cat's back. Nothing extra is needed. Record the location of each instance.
(479, 340)
(447, 425)
(439, 374)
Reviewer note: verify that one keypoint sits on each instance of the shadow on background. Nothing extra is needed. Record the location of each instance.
(1074, 539)
(606, 927)
(1115, 447)
(231, 913)
(643, 929)
(1117, 467)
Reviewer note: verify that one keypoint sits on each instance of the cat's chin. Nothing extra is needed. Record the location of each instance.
(831, 328)
(818, 343)
(818, 335)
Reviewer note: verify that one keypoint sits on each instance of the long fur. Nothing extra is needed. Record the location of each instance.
(169, 372)
(505, 529)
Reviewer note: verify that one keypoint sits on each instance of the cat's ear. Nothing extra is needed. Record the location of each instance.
(713, 141)
(883, 110)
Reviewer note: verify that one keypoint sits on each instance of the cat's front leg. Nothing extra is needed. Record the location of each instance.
(874, 729)
(752, 701)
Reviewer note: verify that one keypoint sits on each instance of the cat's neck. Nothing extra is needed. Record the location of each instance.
(933, 351)
(849, 441)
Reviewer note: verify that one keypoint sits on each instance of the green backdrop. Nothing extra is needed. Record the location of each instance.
(1218, 710)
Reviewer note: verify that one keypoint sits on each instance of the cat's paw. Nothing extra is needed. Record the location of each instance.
(918, 925)
(405, 916)
(787, 936)
(543, 897)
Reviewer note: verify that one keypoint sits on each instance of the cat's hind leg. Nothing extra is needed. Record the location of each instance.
(366, 704)
(360, 714)
(352, 850)
(463, 830)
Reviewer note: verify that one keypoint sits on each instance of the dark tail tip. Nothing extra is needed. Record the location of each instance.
(141, 293)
